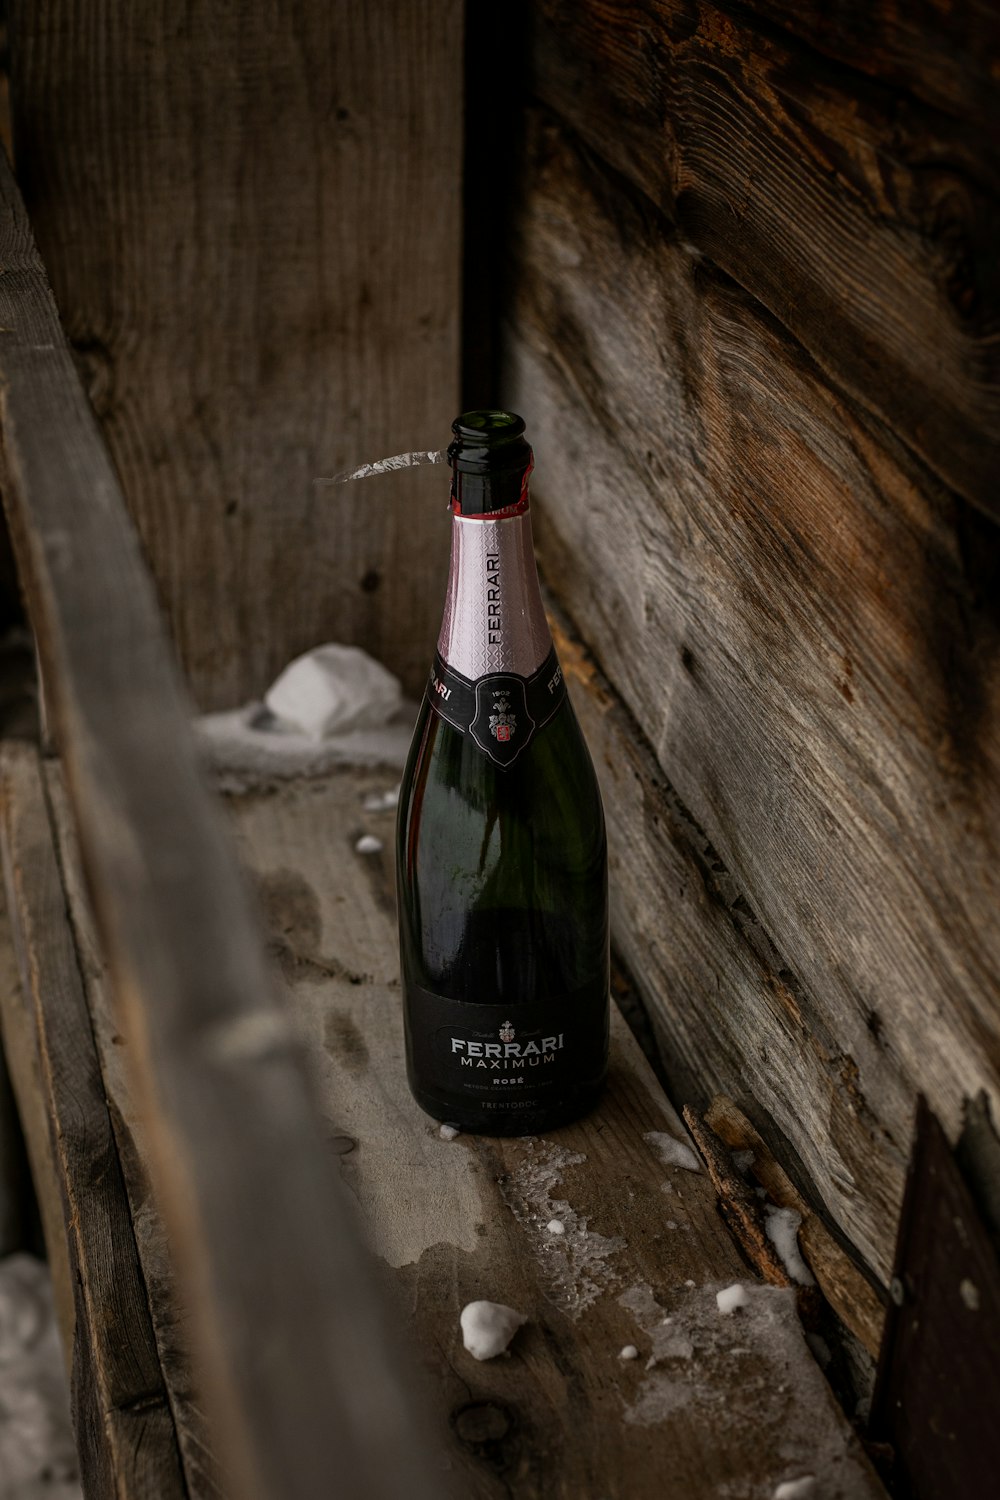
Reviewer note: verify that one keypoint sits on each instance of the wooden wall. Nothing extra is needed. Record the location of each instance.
(251, 216)
(755, 334)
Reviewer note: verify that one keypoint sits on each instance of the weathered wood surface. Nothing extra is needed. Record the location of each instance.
(252, 220)
(299, 1376)
(17, 1025)
(168, 1312)
(864, 221)
(709, 1403)
(803, 762)
(121, 1410)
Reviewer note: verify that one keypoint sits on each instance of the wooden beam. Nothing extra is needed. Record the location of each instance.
(121, 1412)
(299, 1368)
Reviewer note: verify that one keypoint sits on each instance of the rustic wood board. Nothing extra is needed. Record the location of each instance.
(20, 1043)
(121, 1410)
(720, 1412)
(169, 1315)
(864, 221)
(232, 1125)
(802, 756)
(252, 219)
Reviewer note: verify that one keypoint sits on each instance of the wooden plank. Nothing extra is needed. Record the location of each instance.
(253, 228)
(945, 57)
(935, 1400)
(709, 1403)
(169, 1315)
(121, 1412)
(20, 1043)
(864, 222)
(804, 768)
(298, 1372)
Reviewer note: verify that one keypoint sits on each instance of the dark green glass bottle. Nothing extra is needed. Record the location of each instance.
(501, 848)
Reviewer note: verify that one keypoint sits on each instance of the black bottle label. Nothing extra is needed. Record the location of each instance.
(510, 1057)
(502, 711)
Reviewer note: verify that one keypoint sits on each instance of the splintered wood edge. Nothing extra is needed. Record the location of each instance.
(848, 1292)
(237, 1163)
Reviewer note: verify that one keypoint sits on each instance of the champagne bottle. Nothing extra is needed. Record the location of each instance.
(501, 853)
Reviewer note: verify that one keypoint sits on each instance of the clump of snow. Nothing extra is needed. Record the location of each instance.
(333, 689)
(796, 1489)
(629, 1352)
(672, 1152)
(782, 1225)
(969, 1293)
(449, 1132)
(577, 1264)
(556, 1226)
(382, 801)
(732, 1297)
(368, 844)
(488, 1327)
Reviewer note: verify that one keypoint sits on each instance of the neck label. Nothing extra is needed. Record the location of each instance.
(502, 712)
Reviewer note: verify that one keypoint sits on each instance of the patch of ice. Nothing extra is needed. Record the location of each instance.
(488, 1327)
(796, 1489)
(369, 844)
(577, 1264)
(672, 1152)
(732, 1297)
(782, 1225)
(449, 1132)
(629, 1352)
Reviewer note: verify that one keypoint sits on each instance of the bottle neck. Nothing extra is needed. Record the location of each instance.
(493, 616)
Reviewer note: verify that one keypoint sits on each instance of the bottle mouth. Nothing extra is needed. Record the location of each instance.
(488, 442)
(491, 461)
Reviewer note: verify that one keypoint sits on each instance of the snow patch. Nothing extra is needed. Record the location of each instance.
(368, 844)
(672, 1152)
(332, 690)
(488, 1327)
(629, 1352)
(449, 1132)
(577, 1264)
(796, 1489)
(556, 1226)
(37, 1454)
(782, 1225)
(382, 801)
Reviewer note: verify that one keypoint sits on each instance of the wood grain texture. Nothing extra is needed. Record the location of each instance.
(252, 219)
(121, 1412)
(17, 1021)
(562, 1415)
(169, 1314)
(298, 1373)
(805, 628)
(865, 222)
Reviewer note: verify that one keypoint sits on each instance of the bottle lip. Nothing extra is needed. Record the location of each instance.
(488, 442)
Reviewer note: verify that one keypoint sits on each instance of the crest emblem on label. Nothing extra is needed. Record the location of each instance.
(507, 1032)
(502, 725)
(502, 722)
